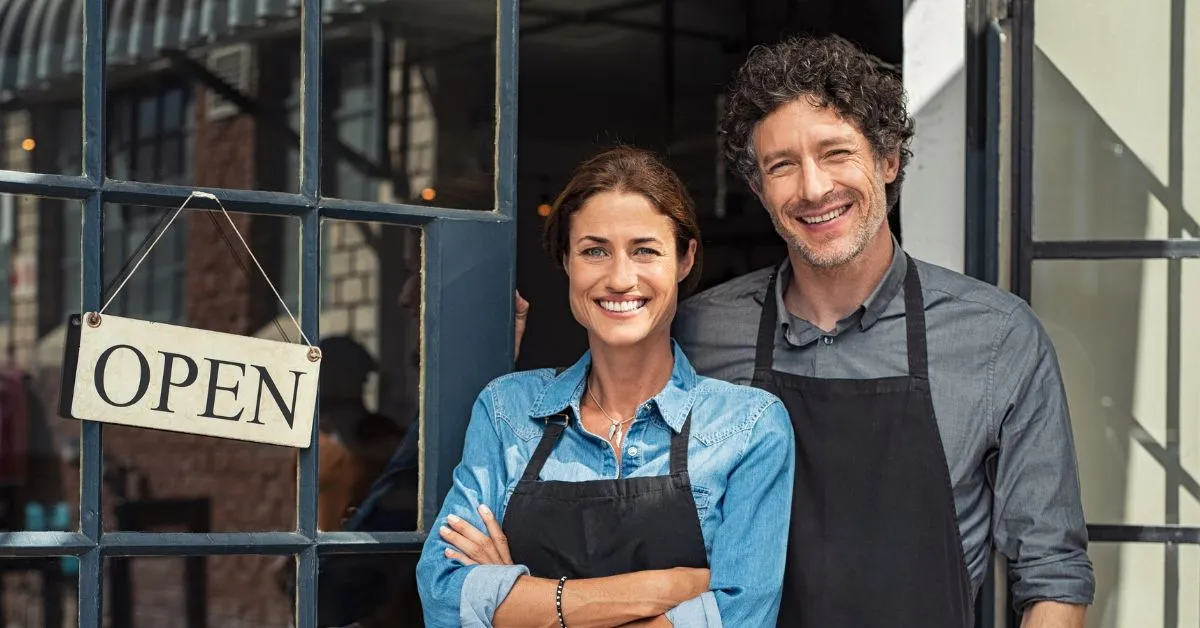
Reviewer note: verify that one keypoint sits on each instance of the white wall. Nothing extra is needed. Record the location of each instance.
(932, 201)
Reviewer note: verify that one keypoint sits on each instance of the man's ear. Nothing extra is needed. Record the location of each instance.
(891, 166)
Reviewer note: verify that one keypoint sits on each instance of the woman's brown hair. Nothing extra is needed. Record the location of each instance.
(632, 171)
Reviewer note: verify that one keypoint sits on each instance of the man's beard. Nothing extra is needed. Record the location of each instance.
(861, 232)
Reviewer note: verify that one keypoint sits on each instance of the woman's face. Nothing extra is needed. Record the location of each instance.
(623, 268)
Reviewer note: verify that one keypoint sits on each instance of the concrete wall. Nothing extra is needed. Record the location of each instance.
(932, 202)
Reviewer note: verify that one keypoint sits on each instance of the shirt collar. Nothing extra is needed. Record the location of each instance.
(868, 313)
(673, 402)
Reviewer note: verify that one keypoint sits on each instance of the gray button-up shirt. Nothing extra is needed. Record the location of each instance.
(997, 392)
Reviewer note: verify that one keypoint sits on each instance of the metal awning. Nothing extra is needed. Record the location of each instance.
(41, 41)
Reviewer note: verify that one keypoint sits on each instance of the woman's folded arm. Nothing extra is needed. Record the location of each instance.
(749, 548)
(599, 602)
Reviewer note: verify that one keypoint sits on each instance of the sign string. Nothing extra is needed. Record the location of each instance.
(212, 197)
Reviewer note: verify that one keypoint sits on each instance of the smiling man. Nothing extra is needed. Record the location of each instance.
(929, 411)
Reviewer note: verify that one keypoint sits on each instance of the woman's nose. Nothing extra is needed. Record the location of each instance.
(622, 276)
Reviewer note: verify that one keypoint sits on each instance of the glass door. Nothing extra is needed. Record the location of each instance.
(1105, 206)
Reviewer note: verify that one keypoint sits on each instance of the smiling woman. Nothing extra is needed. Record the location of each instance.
(626, 489)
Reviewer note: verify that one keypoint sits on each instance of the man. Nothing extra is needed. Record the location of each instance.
(929, 411)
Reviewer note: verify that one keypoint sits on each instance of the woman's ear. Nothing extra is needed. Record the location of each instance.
(687, 261)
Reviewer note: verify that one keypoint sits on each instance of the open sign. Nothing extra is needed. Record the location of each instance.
(179, 379)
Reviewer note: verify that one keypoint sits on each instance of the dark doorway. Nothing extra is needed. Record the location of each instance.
(653, 74)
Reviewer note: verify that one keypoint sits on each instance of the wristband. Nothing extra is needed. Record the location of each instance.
(558, 602)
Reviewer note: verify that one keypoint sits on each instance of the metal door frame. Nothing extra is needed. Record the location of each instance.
(468, 266)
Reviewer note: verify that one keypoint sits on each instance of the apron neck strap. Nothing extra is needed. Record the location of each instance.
(679, 447)
(768, 321)
(557, 424)
(914, 322)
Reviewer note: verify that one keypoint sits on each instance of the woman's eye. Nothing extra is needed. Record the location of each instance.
(594, 251)
(645, 250)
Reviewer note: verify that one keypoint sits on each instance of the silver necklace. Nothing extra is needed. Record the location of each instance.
(615, 428)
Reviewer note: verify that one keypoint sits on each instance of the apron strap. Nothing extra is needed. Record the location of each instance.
(914, 322)
(764, 348)
(679, 447)
(550, 436)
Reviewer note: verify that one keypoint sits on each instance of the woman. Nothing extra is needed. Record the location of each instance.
(626, 489)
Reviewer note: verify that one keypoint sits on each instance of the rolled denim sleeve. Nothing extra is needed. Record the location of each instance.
(1039, 523)
(699, 611)
(749, 548)
(484, 588)
(452, 593)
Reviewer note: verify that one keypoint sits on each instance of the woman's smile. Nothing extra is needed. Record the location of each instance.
(622, 307)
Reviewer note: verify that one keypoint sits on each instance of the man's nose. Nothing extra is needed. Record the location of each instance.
(815, 183)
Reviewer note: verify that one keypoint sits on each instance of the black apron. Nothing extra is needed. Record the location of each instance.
(604, 527)
(874, 538)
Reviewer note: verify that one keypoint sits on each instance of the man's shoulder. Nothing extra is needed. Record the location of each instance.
(745, 291)
(989, 312)
(946, 285)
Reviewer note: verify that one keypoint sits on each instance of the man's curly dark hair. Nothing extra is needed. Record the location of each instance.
(830, 71)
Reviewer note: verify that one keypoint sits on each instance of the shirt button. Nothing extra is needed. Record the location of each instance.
(632, 451)
(828, 340)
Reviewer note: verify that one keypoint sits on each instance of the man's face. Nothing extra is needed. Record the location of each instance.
(821, 182)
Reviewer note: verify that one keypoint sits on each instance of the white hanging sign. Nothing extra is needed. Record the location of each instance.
(166, 377)
(179, 379)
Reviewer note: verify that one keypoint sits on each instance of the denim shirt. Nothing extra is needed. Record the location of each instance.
(741, 458)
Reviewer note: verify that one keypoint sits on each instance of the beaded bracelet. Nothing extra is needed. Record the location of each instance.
(558, 602)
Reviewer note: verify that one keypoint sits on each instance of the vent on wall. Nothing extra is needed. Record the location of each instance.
(232, 65)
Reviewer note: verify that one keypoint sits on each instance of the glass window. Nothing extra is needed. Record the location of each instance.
(1114, 126)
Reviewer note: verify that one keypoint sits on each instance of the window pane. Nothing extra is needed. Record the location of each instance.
(1129, 354)
(42, 61)
(199, 275)
(1110, 157)
(39, 592)
(185, 591)
(370, 336)
(372, 589)
(1139, 585)
(428, 104)
(39, 474)
(253, 47)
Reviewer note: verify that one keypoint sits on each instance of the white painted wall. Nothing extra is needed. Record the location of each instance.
(932, 201)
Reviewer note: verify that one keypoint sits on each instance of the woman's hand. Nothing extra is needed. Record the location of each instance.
(474, 547)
